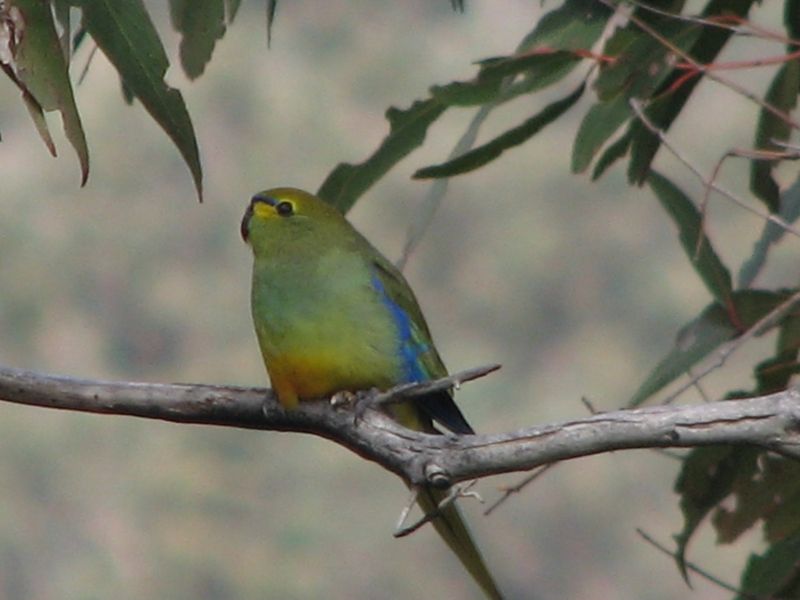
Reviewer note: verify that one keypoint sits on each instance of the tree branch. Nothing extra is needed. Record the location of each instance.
(772, 422)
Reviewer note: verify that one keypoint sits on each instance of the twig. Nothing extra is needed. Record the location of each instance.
(404, 391)
(437, 190)
(687, 18)
(740, 27)
(694, 568)
(456, 492)
(789, 154)
(707, 71)
(636, 105)
(509, 491)
(759, 327)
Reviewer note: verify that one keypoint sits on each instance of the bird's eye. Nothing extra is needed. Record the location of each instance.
(284, 208)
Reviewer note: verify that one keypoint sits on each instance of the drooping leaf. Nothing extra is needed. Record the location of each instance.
(575, 25)
(39, 121)
(40, 67)
(231, 8)
(34, 109)
(541, 69)
(200, 24)
(707, 332)
(611, 155)
(696, 340)
(790, 11)
(707, 477)
(773, 574)
(665, 110)
(123, 31)
(775, 373)
(272, 5)
(558, 43)
(513, 137)
(61, 12)
(427, 207)
(599, 123)
(347, 182)
(770, 494)
(539, 61)
(701, 254)
(635, 54)
(782, 94)
(642, 62)
(771, 234)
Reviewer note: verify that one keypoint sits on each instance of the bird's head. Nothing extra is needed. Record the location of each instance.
(285, 214)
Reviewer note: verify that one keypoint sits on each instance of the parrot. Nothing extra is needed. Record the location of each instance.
(333, 315)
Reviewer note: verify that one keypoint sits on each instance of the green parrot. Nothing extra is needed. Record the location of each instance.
(332, 314)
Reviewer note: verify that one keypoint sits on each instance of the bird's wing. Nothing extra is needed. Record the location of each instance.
(420, 359)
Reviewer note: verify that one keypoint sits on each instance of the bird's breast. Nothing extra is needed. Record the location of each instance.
(327, 332)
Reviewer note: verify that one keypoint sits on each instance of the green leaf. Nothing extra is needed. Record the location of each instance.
(539, 62)
(200, 24)
(611, 155)
(61, 12)
(771, 234)
(770, 493)
(707, 332)
(231, 8)
(575, 25)
(641, 65)
(545, 56)
(773, 574)
(782, 94)
(487, 152)
(704, 259)
(790, 11)
(272, 5)
(600, 122)
(775, 373)
(642, 62)
(707, 477)
(347, 182)
(34, 109)
(540, 70)
(696, 340)
(123, 31)
(666, 109)
(39, 121)
(42, 70)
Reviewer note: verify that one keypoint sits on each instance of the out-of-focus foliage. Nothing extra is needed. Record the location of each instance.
(629, 57)
(31, 56)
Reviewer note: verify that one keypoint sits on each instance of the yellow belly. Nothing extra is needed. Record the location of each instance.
(298, 377)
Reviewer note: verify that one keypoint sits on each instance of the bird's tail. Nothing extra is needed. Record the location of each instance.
(453, 529)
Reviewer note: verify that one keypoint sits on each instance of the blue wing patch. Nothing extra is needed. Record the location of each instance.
(409, 347)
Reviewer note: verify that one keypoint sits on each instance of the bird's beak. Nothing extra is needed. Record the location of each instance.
(248, 214)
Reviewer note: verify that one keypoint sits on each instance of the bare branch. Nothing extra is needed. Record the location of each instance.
(771, 422)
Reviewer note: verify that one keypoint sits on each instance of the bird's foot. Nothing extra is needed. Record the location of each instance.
(364, 400)
(344, 399)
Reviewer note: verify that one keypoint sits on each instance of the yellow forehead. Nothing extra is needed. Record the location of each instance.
(264, 210)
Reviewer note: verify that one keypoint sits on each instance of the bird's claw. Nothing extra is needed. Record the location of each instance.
(343, 399)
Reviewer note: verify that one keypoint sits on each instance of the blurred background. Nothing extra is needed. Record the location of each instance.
(577, 288)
